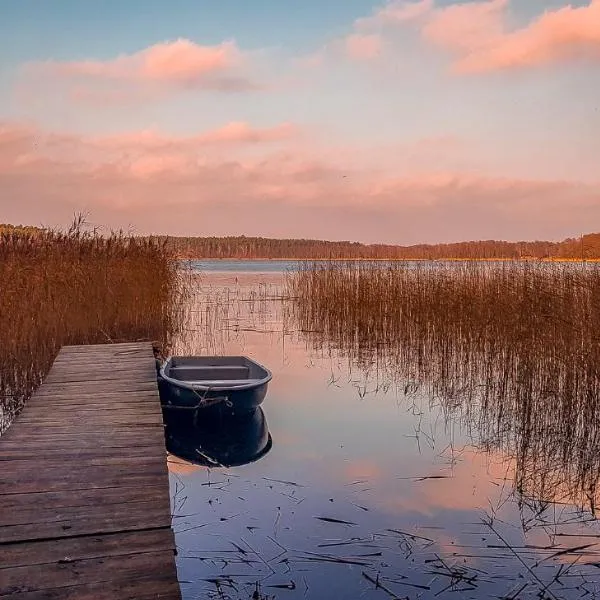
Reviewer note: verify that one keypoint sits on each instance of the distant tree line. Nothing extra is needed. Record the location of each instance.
(242, 247)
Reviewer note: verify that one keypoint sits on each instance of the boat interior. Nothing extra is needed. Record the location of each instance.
(216, 370)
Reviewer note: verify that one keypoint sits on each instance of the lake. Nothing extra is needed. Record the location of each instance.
(241, 266)
(349, 486)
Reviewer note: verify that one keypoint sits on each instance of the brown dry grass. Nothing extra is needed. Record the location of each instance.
(77, 287)
(513, 347)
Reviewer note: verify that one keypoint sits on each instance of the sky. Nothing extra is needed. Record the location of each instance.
(378, 121)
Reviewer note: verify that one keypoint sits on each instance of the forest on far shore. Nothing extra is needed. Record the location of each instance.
(586, 247)
(241, 247)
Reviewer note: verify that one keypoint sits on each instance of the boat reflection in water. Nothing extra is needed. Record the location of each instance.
(219, 442)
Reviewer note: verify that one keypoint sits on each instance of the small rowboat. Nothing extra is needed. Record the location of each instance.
(212, 385)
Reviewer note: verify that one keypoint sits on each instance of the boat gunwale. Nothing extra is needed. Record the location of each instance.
(232, 385)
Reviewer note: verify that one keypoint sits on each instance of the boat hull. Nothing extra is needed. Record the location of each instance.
(212, 403)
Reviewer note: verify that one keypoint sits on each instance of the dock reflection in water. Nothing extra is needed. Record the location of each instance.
(219, 442)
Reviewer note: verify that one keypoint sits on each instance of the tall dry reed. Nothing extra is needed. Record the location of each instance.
(77, 287)
(514, 347)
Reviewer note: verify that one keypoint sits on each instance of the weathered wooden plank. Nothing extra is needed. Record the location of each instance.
(114, 364)
(78, 471)
(155, 587)
(100, 412)
(118, 362)
(106, 519)
(125, 414)
(115, 398)
(100, 418)
(126, 349)
(86, 388)
(86, 437)
(55, 397)
(35, 452)
(132, 375)
(62, 379)
(106, 350)
(75, 393)
(141, 346)
(136, 384)
(92, 410)
(44, 463)
(85, 547)
(104, 354)
(103, 420)
(123, 518)
(80, 430)
(101, 372)
(99, 359)
(102, 496)
(119, 401)
(88, 376)
(103, 363)
(71, 443)
(69, 574)
(73, 483)
(133, 511)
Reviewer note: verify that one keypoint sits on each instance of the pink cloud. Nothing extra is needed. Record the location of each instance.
(479, 34)
(146, 167)
(364, 47)
(179, 64)
(244, 133)
(481, 39)
(234, 133)
(355, 46)
(104, 96)
(396, 12)
(556, 36)
(175, 184)
(466, 27)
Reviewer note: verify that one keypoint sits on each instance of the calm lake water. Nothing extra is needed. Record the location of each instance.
(351, 488)
(242, 266)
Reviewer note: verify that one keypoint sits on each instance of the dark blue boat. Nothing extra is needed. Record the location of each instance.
(212, 386)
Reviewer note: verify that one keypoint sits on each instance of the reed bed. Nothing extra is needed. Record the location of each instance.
(513, 347)
(77, 287)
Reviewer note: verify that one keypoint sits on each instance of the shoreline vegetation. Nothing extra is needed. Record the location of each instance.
(77, 287)
(509, 350)
(583, 248)
(392, 260)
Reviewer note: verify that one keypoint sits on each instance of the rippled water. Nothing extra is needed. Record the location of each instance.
(347, 486)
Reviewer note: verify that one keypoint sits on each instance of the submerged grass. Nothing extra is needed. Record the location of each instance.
(77, 287)
(514, 347)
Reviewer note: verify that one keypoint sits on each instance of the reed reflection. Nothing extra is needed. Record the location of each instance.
(511, 349)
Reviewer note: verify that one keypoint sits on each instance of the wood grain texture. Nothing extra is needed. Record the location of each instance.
(84, 492)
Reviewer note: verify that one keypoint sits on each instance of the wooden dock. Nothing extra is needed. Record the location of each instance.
(84, 489)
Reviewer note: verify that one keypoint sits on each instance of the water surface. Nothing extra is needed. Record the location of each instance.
(242, 266)
(360, 489)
